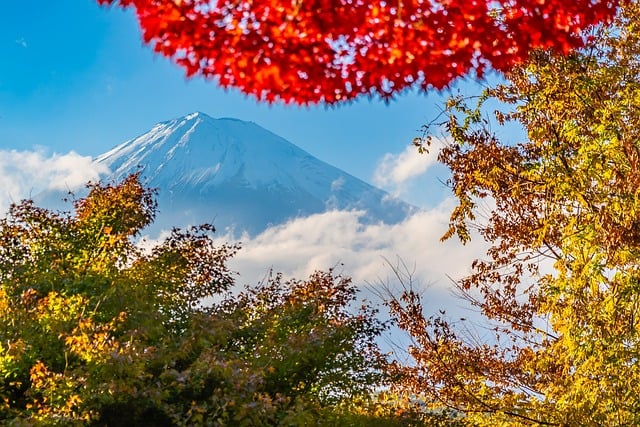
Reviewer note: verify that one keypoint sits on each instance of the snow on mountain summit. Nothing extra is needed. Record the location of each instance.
(197, 149)
(237, 174)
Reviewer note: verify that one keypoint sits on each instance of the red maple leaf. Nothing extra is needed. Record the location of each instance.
(330, 51)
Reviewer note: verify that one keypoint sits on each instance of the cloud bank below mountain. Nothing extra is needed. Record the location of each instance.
(363, 251)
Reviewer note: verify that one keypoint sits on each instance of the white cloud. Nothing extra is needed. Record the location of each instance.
(394, 171)
(24, 174)
(337, 183)
(397, 172)
(326, 240)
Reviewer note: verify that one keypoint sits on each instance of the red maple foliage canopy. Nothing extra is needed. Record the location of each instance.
(329, 51)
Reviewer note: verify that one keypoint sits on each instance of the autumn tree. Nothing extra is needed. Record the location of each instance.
(561, 212)
(330, 51)
(95, 330)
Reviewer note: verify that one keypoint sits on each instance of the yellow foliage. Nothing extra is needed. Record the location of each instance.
(561, 279)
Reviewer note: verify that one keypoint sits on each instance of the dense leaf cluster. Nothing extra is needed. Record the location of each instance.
(331, 51)
(561, 212)
(95, 330)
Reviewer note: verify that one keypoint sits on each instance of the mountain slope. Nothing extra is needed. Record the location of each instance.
(237, 174)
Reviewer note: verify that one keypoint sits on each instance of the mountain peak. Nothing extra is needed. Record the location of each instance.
(195, 115)
(199, 116)
(240, 174)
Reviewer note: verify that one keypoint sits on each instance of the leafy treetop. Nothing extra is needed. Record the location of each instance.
(331, 51)
(561, 212)
(96, 331)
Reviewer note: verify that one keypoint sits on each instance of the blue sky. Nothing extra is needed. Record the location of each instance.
(76, 76)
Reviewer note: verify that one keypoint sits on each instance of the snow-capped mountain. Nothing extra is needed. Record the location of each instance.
(237, 174)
